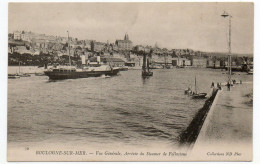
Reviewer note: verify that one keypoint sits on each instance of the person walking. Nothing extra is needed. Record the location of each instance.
(228, 86)
(212, 85)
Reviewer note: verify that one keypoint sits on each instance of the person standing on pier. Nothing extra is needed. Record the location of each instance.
(212, 85)
(228, 86)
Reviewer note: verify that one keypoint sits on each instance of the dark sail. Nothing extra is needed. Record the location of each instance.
(144, 62)
(145, 72)
(148, 63)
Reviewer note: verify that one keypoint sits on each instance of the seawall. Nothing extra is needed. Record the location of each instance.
(190, 135)
(226, 134)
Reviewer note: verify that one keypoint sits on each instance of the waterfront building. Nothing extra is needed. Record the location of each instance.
(125, 44)
(105, 60)
(210, 63)
(217, 64)
(222, 63)
(199, 62)
(179, 61)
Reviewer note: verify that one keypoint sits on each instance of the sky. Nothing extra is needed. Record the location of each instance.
(197, 26)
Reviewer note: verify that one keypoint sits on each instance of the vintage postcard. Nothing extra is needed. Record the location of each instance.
(130, 81)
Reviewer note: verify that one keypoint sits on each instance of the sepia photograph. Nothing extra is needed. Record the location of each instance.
(130, 81)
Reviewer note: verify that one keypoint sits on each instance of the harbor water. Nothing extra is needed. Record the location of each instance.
(124, 109)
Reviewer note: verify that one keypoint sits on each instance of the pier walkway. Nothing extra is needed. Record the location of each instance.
(227, 131)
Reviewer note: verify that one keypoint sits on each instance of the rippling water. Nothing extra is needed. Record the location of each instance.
(124, 109)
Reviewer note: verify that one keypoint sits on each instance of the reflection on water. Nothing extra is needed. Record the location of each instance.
(124, 109)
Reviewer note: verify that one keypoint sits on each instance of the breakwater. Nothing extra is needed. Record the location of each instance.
(189, 136)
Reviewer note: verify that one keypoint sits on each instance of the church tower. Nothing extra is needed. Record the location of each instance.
(126, 37)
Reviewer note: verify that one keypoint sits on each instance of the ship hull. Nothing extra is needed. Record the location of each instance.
(75, 75)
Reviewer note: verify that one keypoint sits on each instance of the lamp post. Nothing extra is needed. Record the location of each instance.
(224, 15)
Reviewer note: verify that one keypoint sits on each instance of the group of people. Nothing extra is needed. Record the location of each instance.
(218, 85)
(189, 91)
(229, 84)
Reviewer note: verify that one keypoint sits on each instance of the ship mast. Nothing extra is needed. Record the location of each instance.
(144, 62)
(69, 48)
(19, 66)
(195, 85)
(148, 63)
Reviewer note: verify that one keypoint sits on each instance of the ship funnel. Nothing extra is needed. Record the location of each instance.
(86, 56)
(83, 59)
(98, 59)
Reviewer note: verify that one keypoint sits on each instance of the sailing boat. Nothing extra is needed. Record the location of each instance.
(146, 70)
(22, 74)
(19, 74)
(197, 95)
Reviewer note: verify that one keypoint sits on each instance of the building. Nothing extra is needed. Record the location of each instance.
(217, 64)
(25, 36)
(97, 46)
(125, 44)
(87, 44)
(114, 62)
(199, 62)
(210, 63)
(180, 61)
(10, 36)
(17, 35)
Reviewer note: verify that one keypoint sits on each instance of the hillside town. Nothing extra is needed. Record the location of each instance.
(33, 49)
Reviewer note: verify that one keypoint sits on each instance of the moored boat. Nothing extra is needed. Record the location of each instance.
(250, 72)
(146, 70)
(13, 76)
(123, 68)
(197, 95)
(24, 75)
(39, 74)
(64, 73)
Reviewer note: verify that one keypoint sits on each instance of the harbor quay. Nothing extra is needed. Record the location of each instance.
(226, 133)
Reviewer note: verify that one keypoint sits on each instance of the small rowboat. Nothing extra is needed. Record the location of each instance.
(199, 96)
